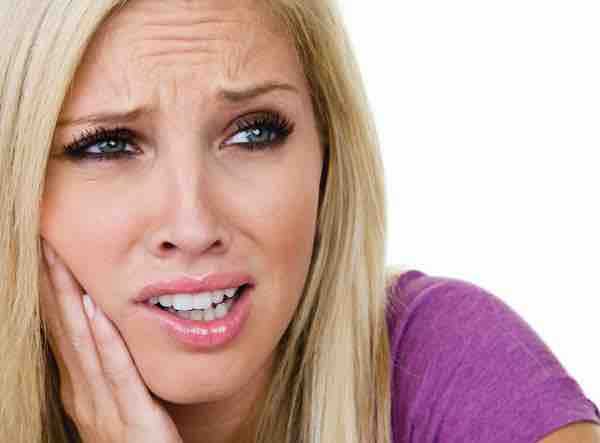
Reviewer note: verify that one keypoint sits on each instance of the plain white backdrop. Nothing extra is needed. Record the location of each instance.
(489, 117)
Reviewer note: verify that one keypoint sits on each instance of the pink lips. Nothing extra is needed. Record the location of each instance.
(203, 336)
(210, 282)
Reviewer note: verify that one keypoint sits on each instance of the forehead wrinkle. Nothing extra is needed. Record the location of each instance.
(237, 58)
(221, 55)
(232, 47)
(173, 93)
(231, 58)
(173, 41)
(194, 15)
(188, 30)
(192, 23)
(188, 6)
(173, 52)
(194, 28)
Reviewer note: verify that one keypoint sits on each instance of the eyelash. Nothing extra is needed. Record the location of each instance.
(269, 121)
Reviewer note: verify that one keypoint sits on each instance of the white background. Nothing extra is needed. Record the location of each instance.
(489, 118)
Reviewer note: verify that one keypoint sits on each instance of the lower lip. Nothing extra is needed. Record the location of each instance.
(205, 335)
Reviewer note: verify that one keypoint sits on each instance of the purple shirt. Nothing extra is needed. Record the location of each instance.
(467, 368)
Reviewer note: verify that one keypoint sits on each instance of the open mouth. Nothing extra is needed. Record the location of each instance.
(212, 312)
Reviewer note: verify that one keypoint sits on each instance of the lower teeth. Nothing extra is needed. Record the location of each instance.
(209, 314)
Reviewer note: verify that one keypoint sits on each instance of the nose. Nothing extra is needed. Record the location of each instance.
(190, 225)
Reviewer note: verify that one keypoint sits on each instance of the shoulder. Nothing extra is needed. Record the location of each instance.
(456, 343)
(443, 307)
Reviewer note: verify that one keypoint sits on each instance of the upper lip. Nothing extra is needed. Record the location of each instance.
(188, 285)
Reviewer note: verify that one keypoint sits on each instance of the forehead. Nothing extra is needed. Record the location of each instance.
(149, 51)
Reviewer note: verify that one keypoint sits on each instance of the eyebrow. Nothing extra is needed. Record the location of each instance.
(225, 95)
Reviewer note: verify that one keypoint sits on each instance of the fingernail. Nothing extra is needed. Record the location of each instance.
(49, 253)
(88, 305)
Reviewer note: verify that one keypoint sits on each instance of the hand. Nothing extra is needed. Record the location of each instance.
(100, 386)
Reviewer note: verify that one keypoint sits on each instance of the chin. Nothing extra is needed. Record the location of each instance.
(181, 394)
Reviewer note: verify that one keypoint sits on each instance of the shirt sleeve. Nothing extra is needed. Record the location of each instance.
(467, 368)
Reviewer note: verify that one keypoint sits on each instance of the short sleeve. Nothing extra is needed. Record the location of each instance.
(467, 368)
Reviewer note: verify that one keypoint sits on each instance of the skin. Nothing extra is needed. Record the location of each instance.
(580, 432)
(192, 201)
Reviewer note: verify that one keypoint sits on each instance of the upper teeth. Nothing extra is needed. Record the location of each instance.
(200, 300)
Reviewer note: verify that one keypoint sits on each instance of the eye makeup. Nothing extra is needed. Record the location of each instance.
(263, 130)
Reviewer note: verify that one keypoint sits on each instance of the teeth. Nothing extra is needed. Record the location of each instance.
(208, 314)
(166, 300)
(202, 301)
(183, 302)
(187, 302)
(220, 311)
(217, 297)
(196, 314)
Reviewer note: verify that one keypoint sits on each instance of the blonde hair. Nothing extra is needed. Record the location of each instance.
(332, 377)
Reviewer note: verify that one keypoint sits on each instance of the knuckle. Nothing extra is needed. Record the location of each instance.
(118, 376)
(106, 341)
(77, 342)
(68, 337)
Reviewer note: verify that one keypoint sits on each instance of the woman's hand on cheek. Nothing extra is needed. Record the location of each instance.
(100, 387)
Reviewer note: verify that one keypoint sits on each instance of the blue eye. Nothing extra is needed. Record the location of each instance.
(265, 131)
(257, 136)
(108, 144)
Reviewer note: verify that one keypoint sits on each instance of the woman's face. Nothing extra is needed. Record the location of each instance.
(187, 198)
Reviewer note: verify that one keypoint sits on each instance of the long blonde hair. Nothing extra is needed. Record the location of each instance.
(332, 378)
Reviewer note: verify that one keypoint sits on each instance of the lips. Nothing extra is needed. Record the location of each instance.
(202, 335)
(188, 285)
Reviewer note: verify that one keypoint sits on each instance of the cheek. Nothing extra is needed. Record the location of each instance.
(284, 209)
(293, 227)
(288, 224)
(86, 230)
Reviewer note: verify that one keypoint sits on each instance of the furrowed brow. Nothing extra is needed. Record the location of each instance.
(225, 95)
(105, 117)
(236, 96)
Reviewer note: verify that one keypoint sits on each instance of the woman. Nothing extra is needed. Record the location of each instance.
(205, 182)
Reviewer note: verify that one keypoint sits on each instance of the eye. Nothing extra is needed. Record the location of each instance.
(262, 131)
(258, 132)
(256, 135)
(102, 144)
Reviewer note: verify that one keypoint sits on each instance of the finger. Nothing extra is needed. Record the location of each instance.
(56, 337)
(75, 340)
(50, 318)
(112, 362)
(51, 323)
(63, 307)
(120, 371)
